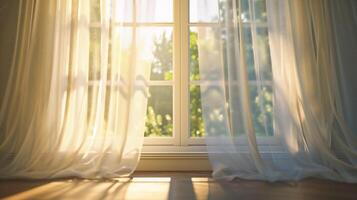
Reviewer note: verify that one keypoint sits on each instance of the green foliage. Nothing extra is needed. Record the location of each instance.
(157, 125)
(197, 128)
(159, 121)
(262, 108)
(161, 68)
(194, 67)
(196, 120)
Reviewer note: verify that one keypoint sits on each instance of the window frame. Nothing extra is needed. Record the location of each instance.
(181, 140)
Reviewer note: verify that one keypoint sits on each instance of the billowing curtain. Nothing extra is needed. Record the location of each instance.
(272, 103)
(76, 95)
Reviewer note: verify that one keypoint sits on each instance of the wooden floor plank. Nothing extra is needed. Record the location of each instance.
(172, 185)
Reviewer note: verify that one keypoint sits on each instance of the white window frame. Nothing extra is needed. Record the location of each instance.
(181, 146)
(181, 140)
(182, 152)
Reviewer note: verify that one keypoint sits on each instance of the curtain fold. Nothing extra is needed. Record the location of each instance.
(272, 100)
(75, 101)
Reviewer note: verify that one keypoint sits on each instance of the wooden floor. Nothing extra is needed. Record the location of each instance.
(185, 186)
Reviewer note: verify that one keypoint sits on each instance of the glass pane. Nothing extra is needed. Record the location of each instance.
(92, 101)
(94, 54)
(194, 63)
(96, 101)
(204, 11)
(122, 10)
(94, 11)
(262, 109)
(260, 10)
(121, 52)
(109, 91)
(159, 118)
(233, 95)
(209, 39)
(245, 13)
(248, 45)
(263, 52)
(154, 10)
(156, 48)
(197, 128)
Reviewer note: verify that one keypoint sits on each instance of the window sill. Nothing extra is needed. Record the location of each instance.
(174, 158)
(193, 157)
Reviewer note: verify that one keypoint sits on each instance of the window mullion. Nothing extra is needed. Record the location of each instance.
(185, 98)
(176, 74)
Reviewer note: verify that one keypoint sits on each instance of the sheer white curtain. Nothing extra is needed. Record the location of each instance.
(271, 100)
(75, 101)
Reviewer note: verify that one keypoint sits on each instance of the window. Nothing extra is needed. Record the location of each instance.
(174, 113)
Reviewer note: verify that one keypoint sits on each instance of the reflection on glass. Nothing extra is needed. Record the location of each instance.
(154, 10)
(156, 47)
(204, 11)
(197, 128)
(159, 117)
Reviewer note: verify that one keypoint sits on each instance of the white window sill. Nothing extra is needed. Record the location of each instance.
(174, 158)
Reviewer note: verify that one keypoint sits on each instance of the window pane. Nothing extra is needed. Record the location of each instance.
(194, 62)
(156, 48)
(154, 10)
(94, 11)
(260, 10)
(248, 45)
(92, 100)
(122, 10)
(159, 118)
(204, 11)
(119, 52)
(197, 128)
(263, 51)
(211, 51)
(262, 109)
(94, 54)
(245, 13)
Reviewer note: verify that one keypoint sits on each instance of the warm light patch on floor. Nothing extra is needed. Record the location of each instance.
(123, 188)
(174, 186)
